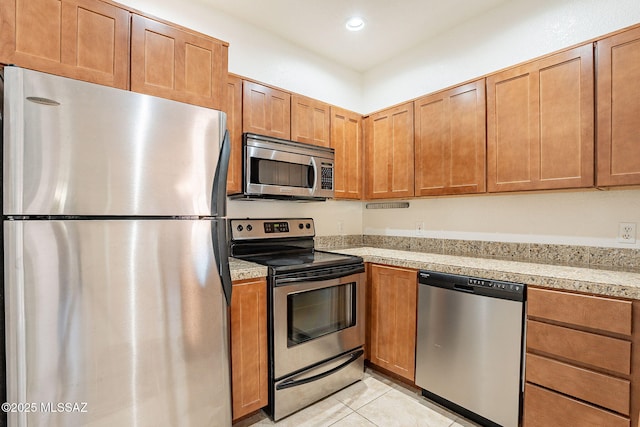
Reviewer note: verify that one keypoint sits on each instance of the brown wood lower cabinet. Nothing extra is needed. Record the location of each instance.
(544, 408)
(393, 296)
(249, 346)
(580, 366)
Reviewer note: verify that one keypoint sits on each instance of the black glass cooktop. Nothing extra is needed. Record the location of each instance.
(302, 260)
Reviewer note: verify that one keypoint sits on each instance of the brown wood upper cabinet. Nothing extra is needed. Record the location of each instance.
(450, 141)
(346, 140)
(234, 125)
(618, 78)
(174, 63)
(389, 153)
(540, 116)
(393, 294)
(265, 110)
(310, 121)
(81, 39)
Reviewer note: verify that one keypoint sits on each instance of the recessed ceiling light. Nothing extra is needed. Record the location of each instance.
(355, 24)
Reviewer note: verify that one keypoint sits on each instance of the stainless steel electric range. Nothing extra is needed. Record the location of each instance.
(315, 311)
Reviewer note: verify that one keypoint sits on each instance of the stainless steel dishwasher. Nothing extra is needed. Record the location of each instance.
(469, 346)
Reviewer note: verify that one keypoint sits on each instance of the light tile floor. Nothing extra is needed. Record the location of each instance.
(375, 401)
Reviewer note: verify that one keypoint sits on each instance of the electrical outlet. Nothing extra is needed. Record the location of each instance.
(627, 232)
(419, 227)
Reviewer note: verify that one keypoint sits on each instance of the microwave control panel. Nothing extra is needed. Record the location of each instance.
(326, 176)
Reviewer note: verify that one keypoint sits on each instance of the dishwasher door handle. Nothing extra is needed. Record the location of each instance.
(464, 288)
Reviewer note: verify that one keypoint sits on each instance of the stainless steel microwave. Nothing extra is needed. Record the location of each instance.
(281, 169)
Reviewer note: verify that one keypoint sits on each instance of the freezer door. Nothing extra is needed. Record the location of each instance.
(124, 322)
(76, 148)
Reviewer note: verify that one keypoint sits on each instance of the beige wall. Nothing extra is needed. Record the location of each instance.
(515, 31)
(333, 217)
(587, 218)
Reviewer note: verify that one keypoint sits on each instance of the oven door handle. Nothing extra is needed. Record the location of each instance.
(320, 277)
(294, 383)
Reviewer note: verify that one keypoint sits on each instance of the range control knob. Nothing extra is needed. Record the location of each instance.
(240, 227)
(308, 226)
(300, 226)
(249, 227)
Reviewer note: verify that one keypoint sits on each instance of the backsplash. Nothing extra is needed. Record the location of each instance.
(577, 256)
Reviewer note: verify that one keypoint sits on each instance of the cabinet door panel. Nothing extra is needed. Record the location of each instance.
(514, 136)
(249, 374)
(588, 311)
(618, 74)
(450, 141)
(560, 135)
(346, 140)
(393, 319)
(583, 347)
(540, 124)
(544, 408)
(234, 125)
(389, 153)
(310, 121)
(82, 39)
(266, 111)
(176, 64)
(600, 389)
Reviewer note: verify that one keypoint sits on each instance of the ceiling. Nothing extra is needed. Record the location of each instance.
(392, 26)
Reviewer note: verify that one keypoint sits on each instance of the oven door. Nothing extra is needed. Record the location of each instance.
(316, 318)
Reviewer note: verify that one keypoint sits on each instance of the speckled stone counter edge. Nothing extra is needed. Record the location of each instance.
(620, 259)
(625, 284)
(243, 270)
(602, 282)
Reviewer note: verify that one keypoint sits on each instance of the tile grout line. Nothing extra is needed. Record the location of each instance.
(368, 403)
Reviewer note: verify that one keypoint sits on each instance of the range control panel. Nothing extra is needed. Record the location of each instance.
(246, 229)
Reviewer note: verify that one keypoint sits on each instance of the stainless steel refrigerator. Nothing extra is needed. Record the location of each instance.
(116, 278)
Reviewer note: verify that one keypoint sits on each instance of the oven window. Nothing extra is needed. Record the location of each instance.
(273, 172)
(319, 312)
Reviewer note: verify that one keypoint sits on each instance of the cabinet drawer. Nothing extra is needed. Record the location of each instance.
(588, 311)
(543, 408)
(599, 389)
(591, 349)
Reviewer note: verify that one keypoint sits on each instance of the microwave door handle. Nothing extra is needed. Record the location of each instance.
(316, 172)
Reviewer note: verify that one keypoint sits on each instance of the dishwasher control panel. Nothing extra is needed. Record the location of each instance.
(473, 285)
(507, 286)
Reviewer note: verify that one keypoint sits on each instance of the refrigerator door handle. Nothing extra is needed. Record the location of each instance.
(219, 196)
(221, 251)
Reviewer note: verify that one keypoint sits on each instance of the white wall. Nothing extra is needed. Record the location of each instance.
(516, 31)
(262, 56)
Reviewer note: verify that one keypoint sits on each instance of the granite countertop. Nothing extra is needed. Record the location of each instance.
(603, 282)
(243, 270)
